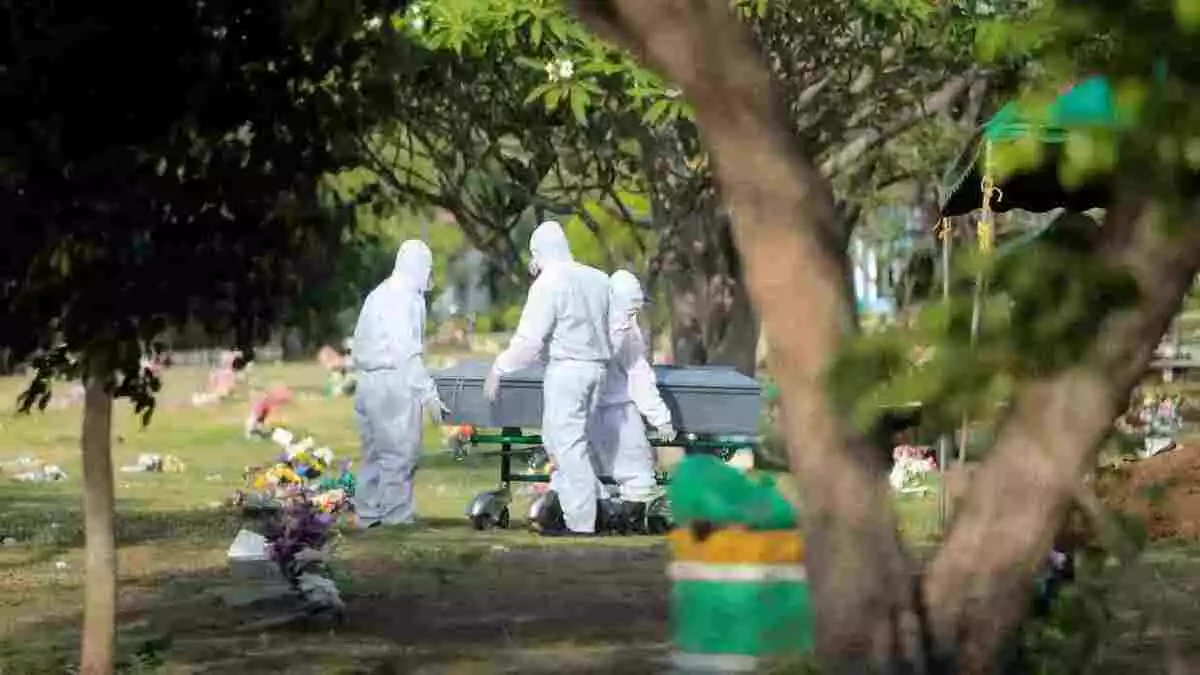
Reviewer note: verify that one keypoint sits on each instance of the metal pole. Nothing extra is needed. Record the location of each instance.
(944, 440)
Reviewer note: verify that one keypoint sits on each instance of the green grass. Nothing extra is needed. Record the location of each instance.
(439, 593)
(435, 598)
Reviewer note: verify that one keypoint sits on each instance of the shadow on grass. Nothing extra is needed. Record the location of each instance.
(430, 595)
(50, 521)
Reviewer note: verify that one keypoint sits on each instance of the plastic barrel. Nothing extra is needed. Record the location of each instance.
(737, 596)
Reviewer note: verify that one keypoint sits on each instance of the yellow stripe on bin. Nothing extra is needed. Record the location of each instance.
(729, 546)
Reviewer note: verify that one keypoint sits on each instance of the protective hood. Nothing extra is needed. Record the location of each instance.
(548, 245)
(625, 297)
(414, 265)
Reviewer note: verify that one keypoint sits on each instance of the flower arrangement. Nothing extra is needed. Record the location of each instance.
(300, 501)
(457, 440)
(301, 539)
(910, 463)
(263, 407)
(1156, 419)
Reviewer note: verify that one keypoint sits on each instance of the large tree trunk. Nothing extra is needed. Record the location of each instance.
(873, 613)
(100, 594)
(785, 227)
(712, 319)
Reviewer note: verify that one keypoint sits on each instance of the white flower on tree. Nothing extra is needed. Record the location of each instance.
(416, 17)
(560, 69)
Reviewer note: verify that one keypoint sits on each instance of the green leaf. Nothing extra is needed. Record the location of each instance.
(579, 103)
(559, 27)
(532, 64)
(635, 202)
(1085, 154)
(539, 92)
(553, 96)
(656, 111)
(1191, 153)
(1187, 13)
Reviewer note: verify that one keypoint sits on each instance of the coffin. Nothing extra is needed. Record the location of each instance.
(703, 399)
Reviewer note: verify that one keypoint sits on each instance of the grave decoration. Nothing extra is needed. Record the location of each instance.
(910, 465)
(263, 407)
(151, 463)
(342, 381)
(32, 470)
(222, 380)
(1156, 420)
(298, 504)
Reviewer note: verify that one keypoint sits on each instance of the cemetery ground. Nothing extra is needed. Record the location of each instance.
(437, 597)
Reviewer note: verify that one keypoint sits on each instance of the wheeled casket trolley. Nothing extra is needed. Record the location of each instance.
(715, 410)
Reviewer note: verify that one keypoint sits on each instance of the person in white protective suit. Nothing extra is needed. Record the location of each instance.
(619, 444)
(566, 317)
(393, 388)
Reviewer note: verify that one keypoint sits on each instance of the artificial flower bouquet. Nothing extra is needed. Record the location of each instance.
(299, 502)
(910, 464)
(301, 540)
(1156, 420)
(456, 439)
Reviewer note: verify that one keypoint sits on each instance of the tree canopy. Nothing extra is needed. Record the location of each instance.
(178, 181)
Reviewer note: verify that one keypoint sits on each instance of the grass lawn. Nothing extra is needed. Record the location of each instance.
(438, 595)
(432, 599)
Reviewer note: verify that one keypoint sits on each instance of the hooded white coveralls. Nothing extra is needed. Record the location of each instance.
(566, 314)
(619, 441)
(393, 387)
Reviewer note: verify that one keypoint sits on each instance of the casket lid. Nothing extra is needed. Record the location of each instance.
(708, 378)
(476, 371)
(675, 378)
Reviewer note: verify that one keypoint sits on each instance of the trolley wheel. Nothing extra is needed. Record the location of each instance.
(658, 525)
(658, 516)
(503, 521)
(482, 522)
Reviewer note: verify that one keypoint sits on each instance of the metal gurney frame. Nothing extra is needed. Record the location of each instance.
(491, 508)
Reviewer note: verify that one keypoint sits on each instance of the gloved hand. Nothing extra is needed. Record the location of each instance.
(491, 385)
(667, 432)
(437, 411)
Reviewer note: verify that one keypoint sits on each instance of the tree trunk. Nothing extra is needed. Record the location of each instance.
(712, 318)
(100, 593)
(786, 229)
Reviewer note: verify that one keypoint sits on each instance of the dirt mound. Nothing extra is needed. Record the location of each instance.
(1163, 490)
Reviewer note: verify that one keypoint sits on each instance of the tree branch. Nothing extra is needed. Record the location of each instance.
(871, 139)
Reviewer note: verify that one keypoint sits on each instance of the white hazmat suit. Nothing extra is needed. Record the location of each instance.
(393, 388)
(565, 316)
(619, 441)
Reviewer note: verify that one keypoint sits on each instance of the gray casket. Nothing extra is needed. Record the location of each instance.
(702, 399)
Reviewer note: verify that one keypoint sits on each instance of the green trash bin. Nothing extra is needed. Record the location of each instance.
(739, 589)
